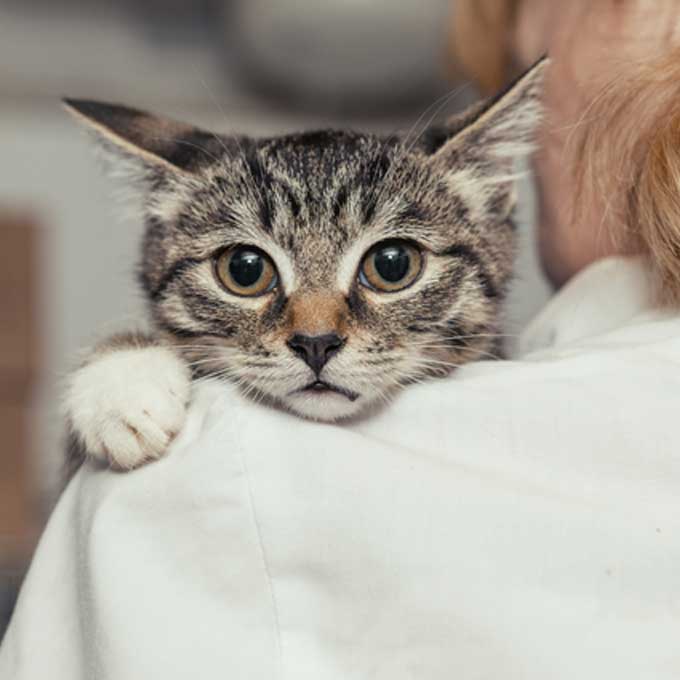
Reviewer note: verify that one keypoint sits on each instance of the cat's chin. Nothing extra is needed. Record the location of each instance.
(326, 407)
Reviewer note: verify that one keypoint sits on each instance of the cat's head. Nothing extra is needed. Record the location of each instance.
(325, 270)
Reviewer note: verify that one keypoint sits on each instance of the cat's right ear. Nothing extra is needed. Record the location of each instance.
(148, 142)
(495, 133)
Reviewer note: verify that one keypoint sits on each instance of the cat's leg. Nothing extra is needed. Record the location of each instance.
(126, 402)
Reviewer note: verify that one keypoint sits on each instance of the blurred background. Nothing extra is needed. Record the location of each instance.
(67, 249)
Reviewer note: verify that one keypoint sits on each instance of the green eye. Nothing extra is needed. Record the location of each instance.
(390, 266)
(246, 271)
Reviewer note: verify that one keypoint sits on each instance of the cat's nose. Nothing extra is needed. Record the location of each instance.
(316, 350)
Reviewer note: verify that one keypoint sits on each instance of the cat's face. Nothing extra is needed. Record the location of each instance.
(326, 270)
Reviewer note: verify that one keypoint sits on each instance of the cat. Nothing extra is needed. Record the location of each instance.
(321, 272)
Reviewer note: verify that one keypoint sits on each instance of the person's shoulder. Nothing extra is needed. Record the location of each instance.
(609, 295)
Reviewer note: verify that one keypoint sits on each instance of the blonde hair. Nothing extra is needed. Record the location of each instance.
(626, 160)
(629, 148)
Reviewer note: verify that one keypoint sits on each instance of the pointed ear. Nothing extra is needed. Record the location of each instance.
(149, 142)
(491, 135)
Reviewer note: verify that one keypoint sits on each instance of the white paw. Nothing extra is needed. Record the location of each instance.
(127, 406)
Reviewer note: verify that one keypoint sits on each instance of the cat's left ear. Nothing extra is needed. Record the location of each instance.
(142, 139)
(492, 135)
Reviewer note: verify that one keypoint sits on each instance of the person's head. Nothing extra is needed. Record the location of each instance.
(609, 166)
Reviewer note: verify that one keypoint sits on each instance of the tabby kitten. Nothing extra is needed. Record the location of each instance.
(321, 272)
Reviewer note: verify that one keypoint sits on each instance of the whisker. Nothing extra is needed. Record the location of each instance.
(219, 108)
(194, 347)
(437, 105)
(184, 142)
(408, 144)
(421, 360)
(449, 347)
(251, 180)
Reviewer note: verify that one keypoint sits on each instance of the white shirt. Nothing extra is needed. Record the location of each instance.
(520, 519)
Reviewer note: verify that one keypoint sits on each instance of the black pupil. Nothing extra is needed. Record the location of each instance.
(392, 263)
(246, 267)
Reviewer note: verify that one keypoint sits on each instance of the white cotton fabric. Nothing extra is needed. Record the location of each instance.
(520, 520)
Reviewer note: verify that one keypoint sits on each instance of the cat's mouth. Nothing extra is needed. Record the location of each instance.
(321, 387)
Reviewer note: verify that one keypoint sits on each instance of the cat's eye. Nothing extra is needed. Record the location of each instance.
(391, 265)
(246, 271)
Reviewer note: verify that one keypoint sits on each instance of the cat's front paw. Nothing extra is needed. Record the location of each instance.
(126, 406)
